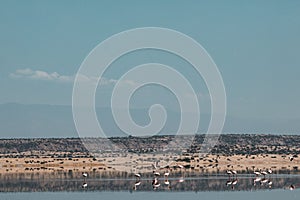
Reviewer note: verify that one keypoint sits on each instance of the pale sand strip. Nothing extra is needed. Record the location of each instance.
(142, 163)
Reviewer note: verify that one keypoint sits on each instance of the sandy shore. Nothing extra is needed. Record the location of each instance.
(141, 163)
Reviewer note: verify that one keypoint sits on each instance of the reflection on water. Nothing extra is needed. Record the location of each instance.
(122, 181)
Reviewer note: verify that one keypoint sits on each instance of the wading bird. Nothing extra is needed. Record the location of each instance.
(234, 173)
(229, 173)
(84, 174)
(270, 171)
(155, 165)
(137, 176)
(257, 173)
(166, 174)
(156, 173)
(155, 183)
(180, 166)
(137, 183)
(264, 173)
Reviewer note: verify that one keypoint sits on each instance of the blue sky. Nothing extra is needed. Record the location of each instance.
(255, 44)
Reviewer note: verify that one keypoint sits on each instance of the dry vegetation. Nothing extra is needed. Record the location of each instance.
(241, 152)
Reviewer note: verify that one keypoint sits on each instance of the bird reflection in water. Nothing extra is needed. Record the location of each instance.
(293, 186)
(137, 183)
(84, 185)
(155, 183)
(256, 180)
(263, 181)
(266, 182)
(232, 183)
(167, 183)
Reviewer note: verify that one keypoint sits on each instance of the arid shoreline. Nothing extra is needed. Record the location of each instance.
(243, 153)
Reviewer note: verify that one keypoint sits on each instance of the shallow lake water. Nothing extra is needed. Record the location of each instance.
(125, 186)
(277, 194)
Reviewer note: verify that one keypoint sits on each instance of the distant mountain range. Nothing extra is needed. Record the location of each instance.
(22, 121)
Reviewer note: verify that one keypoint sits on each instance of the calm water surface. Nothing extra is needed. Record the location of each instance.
(274, 195)
(69, 186)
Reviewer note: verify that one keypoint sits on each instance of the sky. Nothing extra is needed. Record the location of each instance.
(255, 45)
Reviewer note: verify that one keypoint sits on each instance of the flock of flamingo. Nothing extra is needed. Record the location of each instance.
(259, 179)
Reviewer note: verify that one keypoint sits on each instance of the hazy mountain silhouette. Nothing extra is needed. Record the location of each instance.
(19, 120)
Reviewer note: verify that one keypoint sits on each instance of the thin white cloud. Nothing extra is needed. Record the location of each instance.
(56, 77)
(40, 75)
(94, 80)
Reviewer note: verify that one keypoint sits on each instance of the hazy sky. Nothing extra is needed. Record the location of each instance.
(255, 45)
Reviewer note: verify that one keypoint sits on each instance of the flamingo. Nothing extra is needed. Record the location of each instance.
(234, 173)
(166, 174)
(156, 173)
(229, 172)
(84, 174)
(137, 176)
(180, 166)
(257, 173)
(264, 173)
(155, 165)
(270, 171)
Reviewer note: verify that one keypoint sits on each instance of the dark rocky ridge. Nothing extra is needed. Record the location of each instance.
(228, 144)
